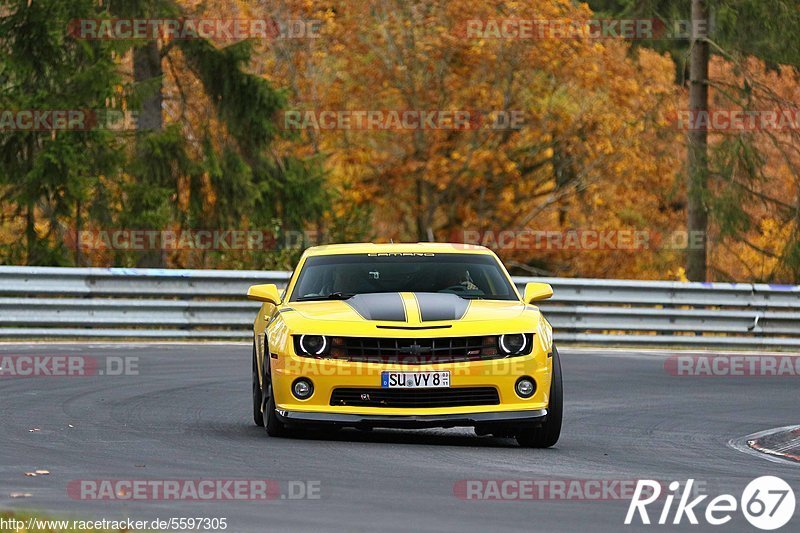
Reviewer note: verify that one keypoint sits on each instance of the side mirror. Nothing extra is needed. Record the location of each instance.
(264, 293)
(537, 291)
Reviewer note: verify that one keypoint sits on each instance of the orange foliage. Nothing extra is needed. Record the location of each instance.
(598, 150)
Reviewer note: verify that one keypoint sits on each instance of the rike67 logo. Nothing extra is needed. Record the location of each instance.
(767, 502)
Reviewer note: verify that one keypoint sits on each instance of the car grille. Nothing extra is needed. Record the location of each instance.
(457, 397)
(414, 351)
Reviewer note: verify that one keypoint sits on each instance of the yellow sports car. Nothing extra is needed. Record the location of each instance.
(405, 335)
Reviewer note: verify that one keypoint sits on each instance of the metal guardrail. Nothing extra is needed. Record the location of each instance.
(49, 302)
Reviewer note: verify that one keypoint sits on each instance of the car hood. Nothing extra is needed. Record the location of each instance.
(409, 308)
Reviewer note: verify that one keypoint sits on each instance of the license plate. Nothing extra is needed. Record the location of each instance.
(415, 380)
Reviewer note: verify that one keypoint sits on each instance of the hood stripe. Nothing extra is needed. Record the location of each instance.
(440, 306)
(385, 306)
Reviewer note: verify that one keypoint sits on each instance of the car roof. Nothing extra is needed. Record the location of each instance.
(415, 247)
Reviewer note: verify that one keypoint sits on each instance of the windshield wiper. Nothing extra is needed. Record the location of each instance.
(331, 296)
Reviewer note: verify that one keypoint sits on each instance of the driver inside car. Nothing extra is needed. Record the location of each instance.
(455, 277)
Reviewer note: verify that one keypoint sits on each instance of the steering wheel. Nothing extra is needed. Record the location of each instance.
(455, 288)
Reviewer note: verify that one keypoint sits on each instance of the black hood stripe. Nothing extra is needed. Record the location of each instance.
(435, 306)
(387, 306)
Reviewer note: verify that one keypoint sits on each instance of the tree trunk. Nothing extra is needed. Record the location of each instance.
(697, 220)
(147, 67)
(30, 236)
(422, 234)
(77, 237)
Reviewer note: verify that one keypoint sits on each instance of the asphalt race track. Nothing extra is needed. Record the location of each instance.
(187, 415)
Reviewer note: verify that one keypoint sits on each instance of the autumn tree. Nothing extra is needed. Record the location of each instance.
(745, 168)
(593, 121)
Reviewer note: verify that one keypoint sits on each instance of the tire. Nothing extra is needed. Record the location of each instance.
(264, 405)
(258, 396)
(275, 428)
(548, 433)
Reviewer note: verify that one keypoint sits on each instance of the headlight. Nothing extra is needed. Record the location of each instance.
(513, 344)
(311, 345)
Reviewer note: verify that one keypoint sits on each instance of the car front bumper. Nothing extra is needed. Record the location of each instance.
(487, 420)
(329, 375)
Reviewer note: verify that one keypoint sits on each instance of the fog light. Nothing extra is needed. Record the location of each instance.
(525, 387)
(302, 389)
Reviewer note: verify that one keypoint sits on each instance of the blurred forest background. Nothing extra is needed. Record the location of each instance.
(600, 148)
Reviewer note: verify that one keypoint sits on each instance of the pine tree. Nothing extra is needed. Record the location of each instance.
(48, 176)
(250, 182)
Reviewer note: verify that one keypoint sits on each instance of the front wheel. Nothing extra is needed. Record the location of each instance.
(258, 397)
(549, 432)
(264, 403)
(275, 428)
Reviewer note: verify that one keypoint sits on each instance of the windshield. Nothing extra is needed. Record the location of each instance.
(342, 276)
